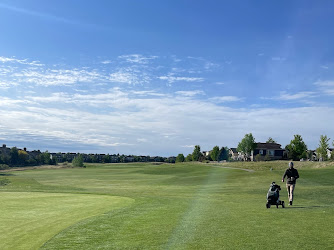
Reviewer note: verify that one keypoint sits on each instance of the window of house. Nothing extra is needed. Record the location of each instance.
(271, 152)
(261, 152)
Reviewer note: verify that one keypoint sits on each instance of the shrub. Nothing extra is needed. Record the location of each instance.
(267, 158)
(4, 182)
(258, 157)
(78, 161)
(3, 166)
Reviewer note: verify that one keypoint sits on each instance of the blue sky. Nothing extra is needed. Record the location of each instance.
(158, 77)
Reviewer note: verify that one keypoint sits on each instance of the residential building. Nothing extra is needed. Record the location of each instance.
(272, 151)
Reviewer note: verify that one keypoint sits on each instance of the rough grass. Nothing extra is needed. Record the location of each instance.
(181, 206)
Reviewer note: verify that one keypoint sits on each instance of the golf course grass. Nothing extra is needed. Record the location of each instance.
(167, 206)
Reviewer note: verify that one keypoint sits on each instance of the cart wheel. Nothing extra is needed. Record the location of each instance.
(276, 205)
(283, 205)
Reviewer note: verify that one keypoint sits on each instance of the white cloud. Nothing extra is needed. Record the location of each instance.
(106, 62)
(327, 87)
(147, 93)
(293, 97)
(325, 83)
(172, 79)
(130, 76)
(132, 119)
(220, 83)
(56, 77)
(222, 99)
(190, 93)
(20, 61)
(137, 58)
(6, 85)
(277, 58)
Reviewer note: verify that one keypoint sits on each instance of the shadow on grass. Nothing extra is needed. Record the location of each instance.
(306, 207)
(6, 174)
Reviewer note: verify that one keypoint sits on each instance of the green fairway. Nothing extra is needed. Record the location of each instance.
(181, 206)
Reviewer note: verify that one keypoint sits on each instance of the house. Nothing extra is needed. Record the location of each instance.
(235, 155)
(57, 156)
(206, 153)
(4, 151)
(272, 151)
(312, 155)
(330, 151)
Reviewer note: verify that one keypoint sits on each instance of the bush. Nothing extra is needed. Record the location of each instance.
(258, 157)
(267, 158)
(3, 166)
(4, 182)
(78, 161)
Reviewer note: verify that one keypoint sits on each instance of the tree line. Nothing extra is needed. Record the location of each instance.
(18, 157)
(296, 149)
(216, 154)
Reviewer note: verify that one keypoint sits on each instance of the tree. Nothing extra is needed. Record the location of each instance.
(23, 157)
(297, 148)
(106, 159)
(189, 157)
(271, 140)
(180, 158)
(45, 158)
(214, 153)
(323, 146)
(78, 161)
(197, 153)
(247, 144)
(14, 156)
(223, 154)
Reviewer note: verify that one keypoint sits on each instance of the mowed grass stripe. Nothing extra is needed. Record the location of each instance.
(29, 219)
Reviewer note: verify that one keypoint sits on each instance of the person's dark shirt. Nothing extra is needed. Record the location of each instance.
(292, 175)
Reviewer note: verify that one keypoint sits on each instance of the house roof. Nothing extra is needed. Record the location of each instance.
(261, 145)
(234, 150)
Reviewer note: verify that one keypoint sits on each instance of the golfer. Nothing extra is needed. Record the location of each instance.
(292, 175)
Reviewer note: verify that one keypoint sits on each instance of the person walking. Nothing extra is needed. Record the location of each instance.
(292, 175)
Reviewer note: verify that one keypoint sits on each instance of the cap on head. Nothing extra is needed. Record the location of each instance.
(290, 164)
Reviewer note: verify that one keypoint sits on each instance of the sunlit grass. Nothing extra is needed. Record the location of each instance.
(182, 206)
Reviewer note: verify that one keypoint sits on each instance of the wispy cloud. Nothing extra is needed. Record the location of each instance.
(130, 119)
(53, 77)
(131, 69)
(7, 85)
(325, 83)
(222, 99)
(190, 93)
(220, 83)
(50, 17)
(284, 96)
(137, 58)
(129, 75)
(277, 58)
(327, 87)
(106, 62)
(20, 61)
(206, 64)
(172, 79)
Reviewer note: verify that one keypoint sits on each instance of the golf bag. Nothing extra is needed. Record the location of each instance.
(273, 196)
